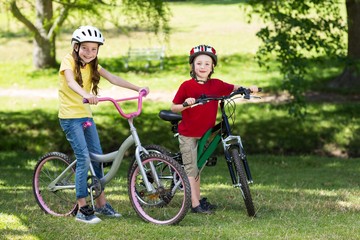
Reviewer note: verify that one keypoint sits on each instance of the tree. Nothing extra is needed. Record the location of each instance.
(351, 75)
(50, 15)
(297, 31)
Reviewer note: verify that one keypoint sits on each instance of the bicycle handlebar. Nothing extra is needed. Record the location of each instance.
(204, 99)
(142, 93)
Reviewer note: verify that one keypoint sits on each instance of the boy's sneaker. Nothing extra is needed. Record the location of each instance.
(86, 215)
(199, 209)
(206, 205)
(107, 210)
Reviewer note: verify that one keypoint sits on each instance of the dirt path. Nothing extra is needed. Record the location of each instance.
(160, 96)
(167, 96)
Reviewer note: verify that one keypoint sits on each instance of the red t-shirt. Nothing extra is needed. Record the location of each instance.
(197, 120)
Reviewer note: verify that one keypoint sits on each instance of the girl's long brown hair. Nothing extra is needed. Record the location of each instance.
(95, 75)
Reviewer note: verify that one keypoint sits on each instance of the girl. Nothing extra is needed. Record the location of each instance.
(79, 76)
(196, 121)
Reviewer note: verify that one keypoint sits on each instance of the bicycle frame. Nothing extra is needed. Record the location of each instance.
(233, 148)
(208, 143)
(116, 157)
(158, 188)
(210, 140)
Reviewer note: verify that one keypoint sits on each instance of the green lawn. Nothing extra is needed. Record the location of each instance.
(295, 198)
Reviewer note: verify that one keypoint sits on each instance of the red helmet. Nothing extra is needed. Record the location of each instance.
(203, 49)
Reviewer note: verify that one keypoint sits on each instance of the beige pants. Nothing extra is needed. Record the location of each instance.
(188, 149)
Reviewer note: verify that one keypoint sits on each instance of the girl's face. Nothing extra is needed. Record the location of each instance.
(203, 65)
(88, 51)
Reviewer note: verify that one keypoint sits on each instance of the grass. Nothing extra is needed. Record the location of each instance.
(330, 129)
(299, 197)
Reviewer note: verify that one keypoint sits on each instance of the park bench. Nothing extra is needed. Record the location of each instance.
(147, 55)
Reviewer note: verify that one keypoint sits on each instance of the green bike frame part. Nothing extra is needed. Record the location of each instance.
(205, 151)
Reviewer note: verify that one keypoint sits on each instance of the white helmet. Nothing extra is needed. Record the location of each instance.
(87, 34)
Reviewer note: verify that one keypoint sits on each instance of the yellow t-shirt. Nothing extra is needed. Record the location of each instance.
(70, 103)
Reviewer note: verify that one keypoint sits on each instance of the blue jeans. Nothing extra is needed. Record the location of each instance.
(83, 138)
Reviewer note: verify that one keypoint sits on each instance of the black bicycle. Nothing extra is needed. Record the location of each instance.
(233, 148)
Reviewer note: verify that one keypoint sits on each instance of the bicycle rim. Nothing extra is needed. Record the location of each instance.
(55, 202)
(242, 181)
(171, 200)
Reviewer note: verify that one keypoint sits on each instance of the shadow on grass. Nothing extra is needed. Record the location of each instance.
(282, 184)
(265, 129)
(210, 2)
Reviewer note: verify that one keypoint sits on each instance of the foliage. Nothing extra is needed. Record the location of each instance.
(297, 31)
(44, 19)
(330, 129)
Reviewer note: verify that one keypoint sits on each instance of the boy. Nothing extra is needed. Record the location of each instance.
(196, 121)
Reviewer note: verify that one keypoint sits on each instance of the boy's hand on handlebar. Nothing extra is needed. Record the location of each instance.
(189, 102)
(254, 89)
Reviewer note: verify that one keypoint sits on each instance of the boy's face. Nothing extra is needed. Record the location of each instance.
(88, 51)
(203, 65)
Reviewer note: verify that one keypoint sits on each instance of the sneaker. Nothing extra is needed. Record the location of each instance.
(206, 205)
(199, 209)
(107, 210)
(86, 215)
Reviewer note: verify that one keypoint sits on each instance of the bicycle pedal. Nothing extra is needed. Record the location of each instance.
(211, 161)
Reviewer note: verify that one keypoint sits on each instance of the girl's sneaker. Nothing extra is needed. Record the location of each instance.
(86, 215)
(107, 210)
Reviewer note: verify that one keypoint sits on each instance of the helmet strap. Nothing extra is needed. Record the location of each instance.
(81, 62)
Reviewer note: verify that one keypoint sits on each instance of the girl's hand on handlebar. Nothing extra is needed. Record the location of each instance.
(146, 89)
(91, 99)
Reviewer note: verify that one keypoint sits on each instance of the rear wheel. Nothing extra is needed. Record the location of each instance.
(55, 196)
(171, 199)
(242, 181)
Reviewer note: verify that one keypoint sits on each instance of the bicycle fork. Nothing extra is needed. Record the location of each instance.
(138, 150)
(229, 142)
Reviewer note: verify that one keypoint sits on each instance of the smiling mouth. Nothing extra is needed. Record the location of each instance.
(87, 58)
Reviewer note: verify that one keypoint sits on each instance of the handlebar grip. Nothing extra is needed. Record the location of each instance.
(185, 104)
(85, 100)
(144, 92)
(260, 89)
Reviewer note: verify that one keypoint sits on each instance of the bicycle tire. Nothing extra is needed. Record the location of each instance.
(157, 149)
(60, 202)
(162, 150)
(151, 149)
(169, 204)
(242, 179)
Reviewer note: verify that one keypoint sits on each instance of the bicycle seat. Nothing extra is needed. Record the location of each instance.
(170, 116)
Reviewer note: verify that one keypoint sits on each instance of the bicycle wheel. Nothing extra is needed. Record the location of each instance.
(242, 181)
(171, 199)
(157, 149)
(160, 149)
(54, 194)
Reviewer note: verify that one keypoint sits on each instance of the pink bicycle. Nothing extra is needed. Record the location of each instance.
(158, 188)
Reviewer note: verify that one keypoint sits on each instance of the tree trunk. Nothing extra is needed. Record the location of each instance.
(44, 45)
(44, 35)
(44, 53)
(350, 77)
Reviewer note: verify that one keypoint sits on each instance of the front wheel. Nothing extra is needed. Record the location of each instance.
(170, 199)
(53, 187)
(242, 181)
